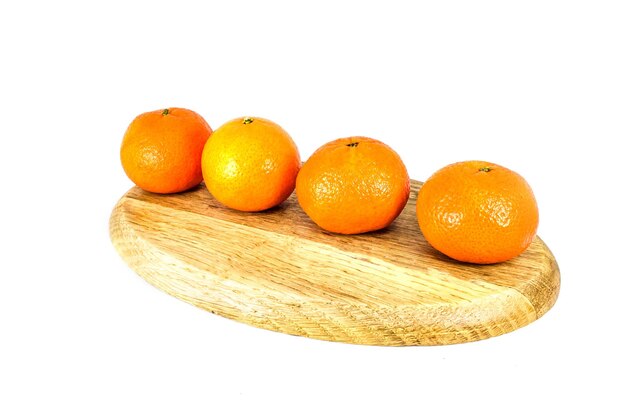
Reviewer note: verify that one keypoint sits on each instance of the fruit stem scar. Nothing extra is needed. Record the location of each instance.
(355, 144)
(248, 120)
(485, 169)
(165, 112)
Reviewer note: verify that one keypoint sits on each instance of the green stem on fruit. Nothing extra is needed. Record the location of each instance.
(165, 112)
(248, 120)
(485, 169)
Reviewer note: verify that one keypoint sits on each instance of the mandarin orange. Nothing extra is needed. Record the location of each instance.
(353, 185)
(477, 212)
(161, 150)
(250, 164)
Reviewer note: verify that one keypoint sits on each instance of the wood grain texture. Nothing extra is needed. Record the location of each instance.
(277, 270)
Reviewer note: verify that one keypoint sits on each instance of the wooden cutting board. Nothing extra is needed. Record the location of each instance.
(277, 270)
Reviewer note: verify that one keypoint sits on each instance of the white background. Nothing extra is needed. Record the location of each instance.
(538, 86)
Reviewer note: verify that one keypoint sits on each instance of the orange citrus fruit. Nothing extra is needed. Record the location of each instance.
(477, 212)
(353, 185)
(161, 150)
(250, 164)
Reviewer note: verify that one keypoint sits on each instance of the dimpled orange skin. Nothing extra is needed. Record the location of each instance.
(477, 212)
(353, 185)
(161, 150)
(250, 164)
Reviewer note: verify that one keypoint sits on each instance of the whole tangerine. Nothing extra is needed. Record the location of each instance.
(353, 185)
(250, 164)
(161, 150)
(477, 212)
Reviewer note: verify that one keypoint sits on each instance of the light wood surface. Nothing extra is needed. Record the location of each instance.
(277, 270)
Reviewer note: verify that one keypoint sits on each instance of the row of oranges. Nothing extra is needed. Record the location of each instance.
(472, 211)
